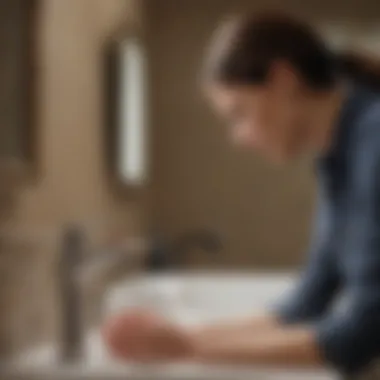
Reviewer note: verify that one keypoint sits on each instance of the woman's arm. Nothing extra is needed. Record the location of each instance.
(307, 301)
(288, 346)
(256, 324)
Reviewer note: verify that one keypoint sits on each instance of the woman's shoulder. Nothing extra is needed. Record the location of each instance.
(365, 147)
(368, 118)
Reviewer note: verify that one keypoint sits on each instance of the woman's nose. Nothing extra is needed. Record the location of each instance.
(244, 135)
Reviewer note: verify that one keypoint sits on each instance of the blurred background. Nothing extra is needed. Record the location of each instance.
(104, 129)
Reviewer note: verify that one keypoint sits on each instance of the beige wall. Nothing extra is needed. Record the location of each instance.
(262, 211)
(72, 185)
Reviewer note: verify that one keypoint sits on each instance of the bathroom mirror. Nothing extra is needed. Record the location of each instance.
(126, 123)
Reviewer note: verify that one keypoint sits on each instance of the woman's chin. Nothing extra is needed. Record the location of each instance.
(276, 156)
(284, 157)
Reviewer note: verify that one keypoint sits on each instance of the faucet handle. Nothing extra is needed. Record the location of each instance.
(205, 239)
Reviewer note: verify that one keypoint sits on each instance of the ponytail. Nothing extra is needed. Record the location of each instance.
(360, 68)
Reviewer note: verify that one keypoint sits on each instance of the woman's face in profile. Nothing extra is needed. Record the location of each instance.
(268, 118)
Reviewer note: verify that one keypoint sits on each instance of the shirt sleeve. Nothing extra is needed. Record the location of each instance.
(350, 340)
(318, 282)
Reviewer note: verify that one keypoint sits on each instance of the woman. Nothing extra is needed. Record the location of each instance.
(285, 93)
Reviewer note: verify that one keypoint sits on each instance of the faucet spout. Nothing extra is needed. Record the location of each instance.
(71, 256)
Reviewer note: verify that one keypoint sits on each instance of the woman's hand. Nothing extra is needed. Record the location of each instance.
(142, 336)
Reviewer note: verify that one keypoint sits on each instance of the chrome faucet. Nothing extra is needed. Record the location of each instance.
(71, 257)
(75, 270)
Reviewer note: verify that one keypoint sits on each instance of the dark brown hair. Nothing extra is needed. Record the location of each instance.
(244, 48)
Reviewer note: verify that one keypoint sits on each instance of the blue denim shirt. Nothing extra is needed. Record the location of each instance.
(345, 253)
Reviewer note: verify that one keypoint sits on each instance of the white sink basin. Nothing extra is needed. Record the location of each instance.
(188, 299)
(201, 296)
